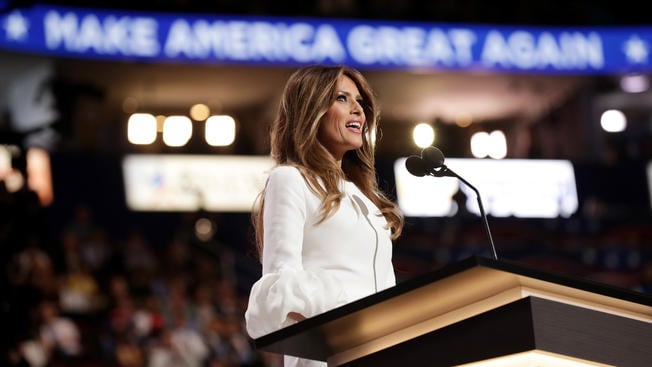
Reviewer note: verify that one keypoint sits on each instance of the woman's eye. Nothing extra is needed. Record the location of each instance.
(341, 98)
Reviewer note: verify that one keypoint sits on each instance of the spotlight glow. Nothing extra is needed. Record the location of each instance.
(177, 130)
(480, 144)
(634, 83)
(492, 144)
(141, 129)
(498, 148)
(199, 112)
(220, 130)
(423, 135)
(613, 121)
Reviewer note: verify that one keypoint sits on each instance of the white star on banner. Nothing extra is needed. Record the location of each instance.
(636, 50)
(16, 26)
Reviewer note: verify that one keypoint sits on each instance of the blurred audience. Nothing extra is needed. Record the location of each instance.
(58, 334)
(93, 301)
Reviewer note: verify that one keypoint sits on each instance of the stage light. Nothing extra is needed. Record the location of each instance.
(177, 130)
(480, 144)
(634, 83)
(204, 229)
(498, 145)
(141, 129)
(199, 112)
(220, 130)
(160, 119)
(423, 135)
(492, 144)
(613, 121)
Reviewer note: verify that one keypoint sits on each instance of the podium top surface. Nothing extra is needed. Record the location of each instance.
(440, 298)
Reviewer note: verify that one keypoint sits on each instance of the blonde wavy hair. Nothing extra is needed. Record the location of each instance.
(308, 94)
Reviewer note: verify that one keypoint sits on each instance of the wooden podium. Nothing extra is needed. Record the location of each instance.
(477, 310)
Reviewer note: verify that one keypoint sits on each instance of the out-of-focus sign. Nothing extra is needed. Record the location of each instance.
(508, 187)
(194, 182)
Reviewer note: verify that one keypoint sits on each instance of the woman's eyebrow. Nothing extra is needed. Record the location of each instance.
(349, 94)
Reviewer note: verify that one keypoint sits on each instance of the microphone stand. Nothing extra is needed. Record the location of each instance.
(445, 171)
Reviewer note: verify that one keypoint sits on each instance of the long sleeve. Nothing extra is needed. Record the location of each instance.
(286, 285)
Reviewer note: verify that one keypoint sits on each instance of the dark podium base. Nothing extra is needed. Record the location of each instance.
(522, 326)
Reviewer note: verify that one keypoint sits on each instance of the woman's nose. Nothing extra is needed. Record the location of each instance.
(356, 108)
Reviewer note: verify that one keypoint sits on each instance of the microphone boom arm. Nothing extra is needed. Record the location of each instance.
(445, 171)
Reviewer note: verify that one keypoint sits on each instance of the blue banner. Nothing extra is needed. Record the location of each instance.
(162, 37)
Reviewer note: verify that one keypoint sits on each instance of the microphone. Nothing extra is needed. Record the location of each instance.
(433, 157)
(416, 166)
(431, 163)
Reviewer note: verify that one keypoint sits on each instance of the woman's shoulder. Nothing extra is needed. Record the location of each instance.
(286, 174)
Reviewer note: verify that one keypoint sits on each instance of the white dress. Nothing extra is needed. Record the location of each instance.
(310, 268)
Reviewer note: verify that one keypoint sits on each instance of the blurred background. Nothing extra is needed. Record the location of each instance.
(124, 247)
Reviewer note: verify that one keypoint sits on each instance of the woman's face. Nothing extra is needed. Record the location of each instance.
(342, 125)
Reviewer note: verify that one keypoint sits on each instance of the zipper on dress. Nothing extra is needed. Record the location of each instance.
(365, 212)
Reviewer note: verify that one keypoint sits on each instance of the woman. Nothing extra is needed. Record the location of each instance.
(323, 228)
